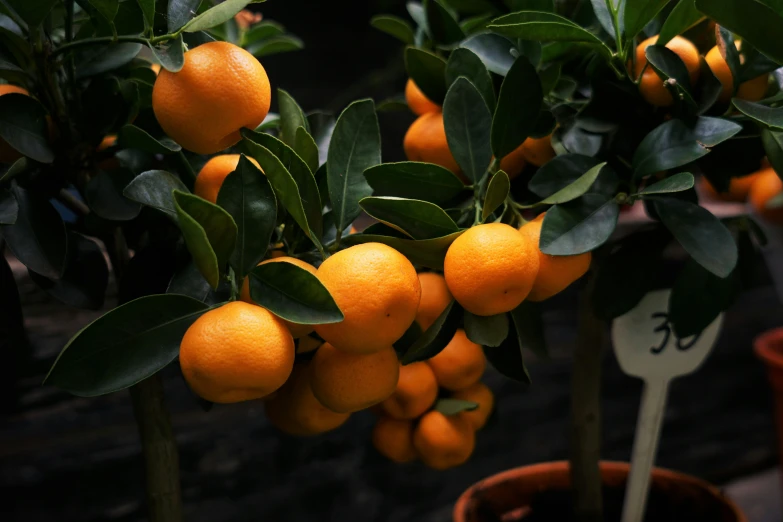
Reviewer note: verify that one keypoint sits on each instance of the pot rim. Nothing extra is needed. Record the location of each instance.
(765, 347)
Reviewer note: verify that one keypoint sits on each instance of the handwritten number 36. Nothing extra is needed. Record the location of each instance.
(665, 327)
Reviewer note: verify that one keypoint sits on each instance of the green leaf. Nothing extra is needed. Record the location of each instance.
(753, 21)
(106, 8)
(38, 238)
(527, 332)
(773, 146)
(132, 137)
(670, 67)
(425, 252)
(413, 180)
(322, 127)
(101, 59)
(494, 50)
(566, 169)
(676, 183)
(210, 234)
(291, 117)
(18, 167)
(416, 10)
(126, 345)
(709, 87)
(180, 12)
(490, 330)
(305, 148)
(697, 298)
(154, 188)
(263, 30)
(443, 27)
(767, 116)
(148, 9)
(104, 194)
(284, 43)
(700, 233)
(428, 72)
(464, 62)
(497, 192)
(451, 407)
(32, 12)
(518, 107)
(248, 197)
(577, 188)
(9, 208)
(638, 13)
(394, 26)
(355, 147)
(23, 126)
(578, 226)
(436, 337)
(549, 77)
(604, 16)
(468, 122)
(216, 15)
(189, 281)
(683, 17)
(170, 54)
(418, 219)
(293, 293)
(544, 27)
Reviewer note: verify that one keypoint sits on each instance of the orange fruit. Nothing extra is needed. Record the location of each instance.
(426, 141)
(538, 151)
(237, 352)
(491, 268)
(651, 86)
(220, 89)
(418, 101)
(481, 395)
(308, 344)
(294, 409)
(766, 186)
(8, 154)
(155, 68)
(214, 172)
(514, 162)
(435, 297)
(393, 438)
(444, 442)
(349, 382)
(297, 330)
(752, 90)
(416, 391)
(555, 273)
(738, 188)
(377, 290)
(460, 364)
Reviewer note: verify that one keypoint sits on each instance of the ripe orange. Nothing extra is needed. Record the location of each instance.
(444, 442)
(738, 188)
(514, 162)
(237, 352)
(221, 89)
(766, 186)
(491, 268)
(651, 86)
(297, 330)
(348, 382)
(214, 172)
(555, 273)
(752, 90)
(416, 391)
(393, 439)
(418, 101)
(538, 151)
(481, 395)
(378, 291)
(435, 297)
(460, 364)
(295, 410)
(8, 154)
(426, 141)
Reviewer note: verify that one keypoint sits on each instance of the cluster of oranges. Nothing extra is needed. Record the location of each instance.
(757, 188)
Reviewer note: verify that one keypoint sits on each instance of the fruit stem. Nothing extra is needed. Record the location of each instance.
(159, 446)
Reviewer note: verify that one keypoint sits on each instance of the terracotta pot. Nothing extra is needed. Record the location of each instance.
(769, 348)
(508, 496)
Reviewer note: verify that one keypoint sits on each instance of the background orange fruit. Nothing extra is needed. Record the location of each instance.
(460, 364)
(651, 85)
(739, 188)
(752, 90)
(418, 101)
(538, 151)
(766, 186)
(481, 395)
(214, 172)
(435, 297)
(393, 438)
(443, 442)
(415, 393)
(8, 154)
(426, 141)
(514, 162)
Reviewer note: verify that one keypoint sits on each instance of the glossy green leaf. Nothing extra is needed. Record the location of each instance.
(285, 43)
(322, 127)
(104, 194)
(216, 15)
(263, 30)
(32, 12)
(527, 333)
(428, 72)
(100, 59)
(767, 116)
(429, 253)
(497, 192)
(9, 208)
(106, 8)
(563, 170)
(38, 238)
(544, 27)
(671, 68)
(638, 13)
(394, 26)
(154, 188)
(436, 337)
(773, 146)
(210, 234)
(676, 183)
(578, 226)
(416, 11)
(180, 12)
(683, 17)
(23, 126)
(249, 198)
(170, 54)
(468, 123)
(576, 189)
(355, 147)
(698, 297)
(148, 9)
(418, 219)
(443, 27)
(189, 281)
(709, 89)
(494, 50)
(291, 117)
(490, 330)
(18, 167)
(293, 293)
(305, 148)
(451, 407)
(413, 180)
(518, 107)
(753, 21)
(464, 62)
(126, 345)
(133, 137)
(700, 233)
(604, 16)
